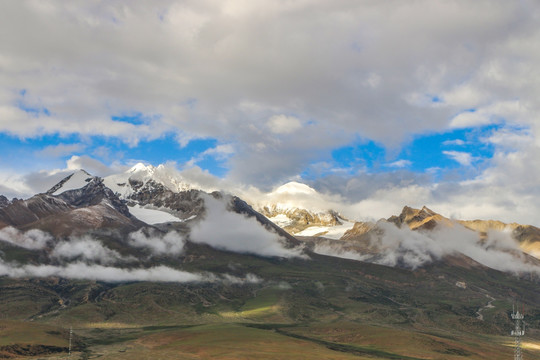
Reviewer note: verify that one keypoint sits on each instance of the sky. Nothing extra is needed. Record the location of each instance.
(376, 105)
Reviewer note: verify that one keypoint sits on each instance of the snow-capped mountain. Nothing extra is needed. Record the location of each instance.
(141, 196)
(156, 194)
(146, 197)
(78, 203)
(160, 194)
(295, 207)
(142, 177)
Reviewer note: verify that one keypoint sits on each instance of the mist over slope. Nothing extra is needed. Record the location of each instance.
(138, 218)
(420, 236)
(81, 229)
(152, 253)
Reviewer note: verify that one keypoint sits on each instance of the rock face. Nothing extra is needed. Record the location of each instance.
(527, 235)
(67, 209)
(154, 188)
(23, 212)
(4, 201)
(417, 219)
(94, 193)
(358, 231)
(184, 205)
(240, 206)
(295, 220)
(365, 236)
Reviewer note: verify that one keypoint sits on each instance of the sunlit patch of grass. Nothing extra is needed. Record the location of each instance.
(535, 346)
(253, 313)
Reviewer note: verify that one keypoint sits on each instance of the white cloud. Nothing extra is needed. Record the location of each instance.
(80, 270)
(13, 185)
(403, 247)
(212, 59)
(282, 124)
(457, 142)
(61, 150)
(89, 164)
(463, 158)
(86, 249)
(223, 69)
(171, 243)
(400, 163)
(32, 239)
(220, 153)
(227, 230)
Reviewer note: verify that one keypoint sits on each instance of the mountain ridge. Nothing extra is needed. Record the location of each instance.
(123, 283)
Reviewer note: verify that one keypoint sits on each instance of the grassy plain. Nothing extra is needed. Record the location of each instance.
(322, 308)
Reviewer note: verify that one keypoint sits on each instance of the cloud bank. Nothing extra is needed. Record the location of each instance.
(171, 243)
(32, 239)
(88, 250)
(89, 259)
(394, 246)
(81, 270)
(227, 230)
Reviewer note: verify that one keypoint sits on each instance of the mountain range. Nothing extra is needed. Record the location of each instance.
(145, 250)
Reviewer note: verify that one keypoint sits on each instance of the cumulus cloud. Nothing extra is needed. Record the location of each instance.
(13, 185)
(221, 72)
(171, 243)
(224, 229)
(61, 150)
(223, 69)
(91, 165)
(32, 239)
(282, 124)
(220, 152)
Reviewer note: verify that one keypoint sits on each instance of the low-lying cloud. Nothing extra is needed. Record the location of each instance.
(227, 230)
(87, 249)
(170, 243)
(86, 258)
(32, 239)
(81, 270)
(395, 246)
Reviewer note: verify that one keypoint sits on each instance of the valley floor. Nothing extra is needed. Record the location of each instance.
(337, 340)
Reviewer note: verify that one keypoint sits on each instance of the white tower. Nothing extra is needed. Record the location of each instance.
(518, 332)
(70, 337)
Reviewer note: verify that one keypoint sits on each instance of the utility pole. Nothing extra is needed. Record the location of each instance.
(70, 337)
(518, 332)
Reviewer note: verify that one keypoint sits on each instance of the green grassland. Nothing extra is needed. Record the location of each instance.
(318, 308)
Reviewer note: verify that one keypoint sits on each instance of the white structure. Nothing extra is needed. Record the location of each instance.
(518, 332)
(70, 337)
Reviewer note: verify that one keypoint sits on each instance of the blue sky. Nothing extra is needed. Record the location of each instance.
(52, 151)
(424, 154)
(258, 94)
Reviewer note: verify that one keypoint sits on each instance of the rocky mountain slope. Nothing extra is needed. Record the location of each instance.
(418, 237)
(77, 204)
(81, 254)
